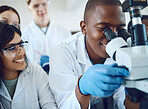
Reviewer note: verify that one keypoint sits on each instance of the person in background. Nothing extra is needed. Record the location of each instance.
(42, 33)
(81, 72)
(23, 85)
(9, 15)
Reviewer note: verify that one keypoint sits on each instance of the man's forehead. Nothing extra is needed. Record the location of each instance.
(37, 1)
(107, 14)
(108, 9)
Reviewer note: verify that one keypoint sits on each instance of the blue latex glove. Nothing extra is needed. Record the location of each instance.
(44, 62)
(102, 80)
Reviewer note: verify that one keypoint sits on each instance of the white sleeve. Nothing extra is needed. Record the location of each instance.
(46, 98)
(62, 78)
(119, 97)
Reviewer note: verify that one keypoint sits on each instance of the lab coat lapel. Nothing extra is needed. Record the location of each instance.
(37, 42)
(4, 92)
(82, 55)
(21, 83)
(36, 31)
(50, 29)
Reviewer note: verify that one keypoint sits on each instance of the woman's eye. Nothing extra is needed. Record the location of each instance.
(12, 48)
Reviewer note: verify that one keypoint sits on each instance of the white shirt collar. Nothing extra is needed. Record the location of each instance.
(82, 55)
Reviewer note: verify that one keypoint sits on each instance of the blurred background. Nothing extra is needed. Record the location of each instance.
(67, 13)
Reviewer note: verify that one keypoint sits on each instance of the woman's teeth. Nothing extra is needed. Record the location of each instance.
(19, 60)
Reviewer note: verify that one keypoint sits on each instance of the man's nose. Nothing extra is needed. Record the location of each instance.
(41, 7)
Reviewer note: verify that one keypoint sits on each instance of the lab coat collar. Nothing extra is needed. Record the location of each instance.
(33, 24)
(109, 61)
(3, 91)
(50, 27)
(82, 55)
(36, 28)
(21, 83)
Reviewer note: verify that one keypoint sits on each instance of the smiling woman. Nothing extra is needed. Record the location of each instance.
(8, 54)
(19, 79)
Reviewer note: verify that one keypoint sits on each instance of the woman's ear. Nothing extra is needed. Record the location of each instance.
(83, 27)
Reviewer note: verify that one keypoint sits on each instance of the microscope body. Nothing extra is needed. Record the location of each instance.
(133, 56)
(136, 60)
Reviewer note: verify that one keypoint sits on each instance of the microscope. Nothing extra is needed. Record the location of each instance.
(132, 55)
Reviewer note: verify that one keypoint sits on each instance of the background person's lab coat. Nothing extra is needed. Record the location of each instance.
(40, 43)
(68, 62)
(32, 91)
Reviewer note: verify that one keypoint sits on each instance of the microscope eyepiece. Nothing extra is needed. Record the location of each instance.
(124, 34)
(109, 34)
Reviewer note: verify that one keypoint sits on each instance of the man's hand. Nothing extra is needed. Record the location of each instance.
(102, 80)
(131, 105)
(44, 62)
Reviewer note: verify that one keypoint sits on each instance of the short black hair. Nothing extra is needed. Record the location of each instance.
(91, 5)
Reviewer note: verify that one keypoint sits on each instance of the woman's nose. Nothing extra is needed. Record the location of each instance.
(20, 51)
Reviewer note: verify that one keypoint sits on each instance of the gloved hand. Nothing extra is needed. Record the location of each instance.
(102, 80)
(44, 62)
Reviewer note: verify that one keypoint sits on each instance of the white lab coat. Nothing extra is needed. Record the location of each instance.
(40, 42)
(32, 91)
(69, 60)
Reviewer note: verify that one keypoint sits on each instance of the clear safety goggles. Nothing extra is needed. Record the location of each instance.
(44, 4)
(16, 24)
(14, 48)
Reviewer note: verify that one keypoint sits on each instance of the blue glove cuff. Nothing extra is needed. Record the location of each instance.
(80, 88)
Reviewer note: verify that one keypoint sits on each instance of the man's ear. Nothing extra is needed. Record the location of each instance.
(83, 27)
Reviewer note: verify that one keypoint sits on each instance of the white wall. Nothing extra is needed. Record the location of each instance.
(59, 12)
(67, 13)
